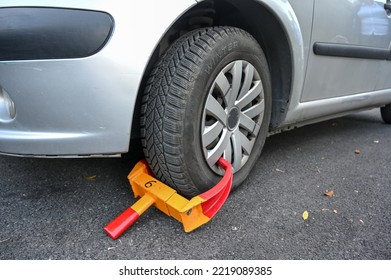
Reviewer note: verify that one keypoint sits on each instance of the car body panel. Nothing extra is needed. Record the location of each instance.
(348, 27)
(85, 106)
(335, 86)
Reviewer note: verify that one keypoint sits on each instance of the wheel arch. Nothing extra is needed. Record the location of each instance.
(270, 23)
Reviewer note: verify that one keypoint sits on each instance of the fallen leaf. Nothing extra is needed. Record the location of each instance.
(357, 152)
(90, 178)
(329, 193)
(335, 211)
(305, 215)
(334, 124)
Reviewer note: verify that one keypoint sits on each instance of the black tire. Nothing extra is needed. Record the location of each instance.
(174, 104)
(386, 113)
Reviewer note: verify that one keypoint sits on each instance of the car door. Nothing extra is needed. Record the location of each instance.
(351, 45)
(384, 81)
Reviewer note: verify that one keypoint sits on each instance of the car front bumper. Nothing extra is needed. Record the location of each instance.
(66, 101)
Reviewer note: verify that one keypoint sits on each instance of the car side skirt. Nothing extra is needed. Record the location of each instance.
(325, 109)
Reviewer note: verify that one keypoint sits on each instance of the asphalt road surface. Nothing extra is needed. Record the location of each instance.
(57, 208)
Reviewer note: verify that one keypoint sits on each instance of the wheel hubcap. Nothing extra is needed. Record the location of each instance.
(232, 115)
(233, 118)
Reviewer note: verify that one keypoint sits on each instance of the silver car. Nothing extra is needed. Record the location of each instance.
(190, 80)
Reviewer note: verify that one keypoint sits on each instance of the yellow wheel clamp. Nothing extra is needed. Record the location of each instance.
(191, 213)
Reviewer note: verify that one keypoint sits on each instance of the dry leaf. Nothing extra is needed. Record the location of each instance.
(305, 215)
(357, 152)
(329, 193)
(335, 211)
(334, 124)
(90, 178)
